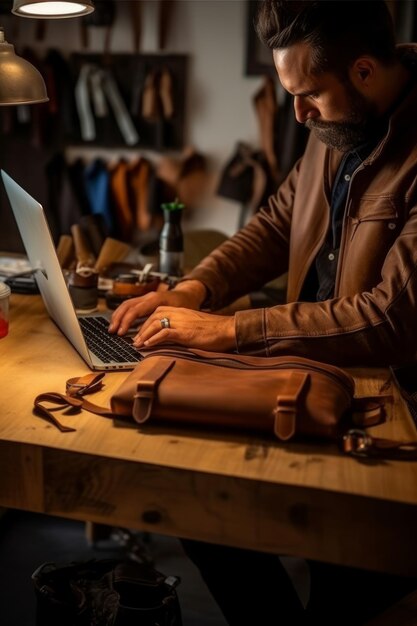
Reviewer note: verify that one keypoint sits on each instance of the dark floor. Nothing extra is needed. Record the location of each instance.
(27, 540)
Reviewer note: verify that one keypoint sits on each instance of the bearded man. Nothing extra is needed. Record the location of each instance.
(343, 223)
(344, 226)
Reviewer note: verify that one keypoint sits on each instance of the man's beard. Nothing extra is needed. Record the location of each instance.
(358, 128)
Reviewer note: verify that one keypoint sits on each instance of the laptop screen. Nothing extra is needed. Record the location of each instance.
(42, 256)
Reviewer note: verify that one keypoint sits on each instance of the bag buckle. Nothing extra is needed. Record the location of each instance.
(357, 442)
(81, 386)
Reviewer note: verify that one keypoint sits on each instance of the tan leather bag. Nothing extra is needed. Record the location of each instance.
(285, 397)
(281, 396)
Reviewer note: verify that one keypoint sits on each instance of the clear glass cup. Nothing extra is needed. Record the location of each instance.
(4, 309)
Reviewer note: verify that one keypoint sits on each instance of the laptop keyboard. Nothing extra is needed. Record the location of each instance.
(109, 348)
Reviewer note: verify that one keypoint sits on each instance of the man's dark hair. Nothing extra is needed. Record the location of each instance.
(338, 31)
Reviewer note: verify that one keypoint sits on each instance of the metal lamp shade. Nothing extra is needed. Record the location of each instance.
(20, 82)
(49, 9)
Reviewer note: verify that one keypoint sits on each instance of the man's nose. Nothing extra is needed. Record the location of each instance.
(304, 110)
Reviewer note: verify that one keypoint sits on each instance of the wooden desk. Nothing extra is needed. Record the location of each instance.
(302, 500)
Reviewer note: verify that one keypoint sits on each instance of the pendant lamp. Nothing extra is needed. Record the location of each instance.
(20, 81)
(51, 9)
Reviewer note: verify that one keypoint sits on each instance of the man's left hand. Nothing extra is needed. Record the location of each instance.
(185, 327)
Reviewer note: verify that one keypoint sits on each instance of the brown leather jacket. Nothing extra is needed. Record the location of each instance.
(372, 318)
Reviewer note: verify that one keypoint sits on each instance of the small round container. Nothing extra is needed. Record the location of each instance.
(126, 286)
(4, 309)
(83, 289)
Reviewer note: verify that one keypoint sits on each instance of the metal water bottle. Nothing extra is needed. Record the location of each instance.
(171, 241)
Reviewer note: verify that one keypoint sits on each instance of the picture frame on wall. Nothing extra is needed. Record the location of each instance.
(258, 57)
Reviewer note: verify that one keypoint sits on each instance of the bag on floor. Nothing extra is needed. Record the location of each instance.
(105, 593)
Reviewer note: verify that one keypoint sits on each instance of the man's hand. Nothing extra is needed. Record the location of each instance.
(189, 294)
(193, 329)
(187, 325)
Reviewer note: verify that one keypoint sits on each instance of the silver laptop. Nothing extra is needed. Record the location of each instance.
(87, 333)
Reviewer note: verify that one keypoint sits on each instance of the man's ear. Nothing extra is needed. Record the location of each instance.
(362, 72)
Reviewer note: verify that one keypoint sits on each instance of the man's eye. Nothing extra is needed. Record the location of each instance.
(314, 96)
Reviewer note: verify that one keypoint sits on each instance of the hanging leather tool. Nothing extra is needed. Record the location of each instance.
(136, 21)
(119, 187)
(166, 10)
(101, 86)
(246, 179)
(103, 15)
(166, 88)
(139, 174)
(83, 252)
(184, 178)
(266, 107)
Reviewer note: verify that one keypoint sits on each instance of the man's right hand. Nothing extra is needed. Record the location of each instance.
(189, 294)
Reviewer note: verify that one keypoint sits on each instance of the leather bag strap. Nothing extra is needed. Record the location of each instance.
(56, 402)
(369, 410)
(147, 388)
(285, 412)
(46, 404)
(72, 401)
(359, 443)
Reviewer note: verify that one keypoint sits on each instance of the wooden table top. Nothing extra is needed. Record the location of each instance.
(295, 498)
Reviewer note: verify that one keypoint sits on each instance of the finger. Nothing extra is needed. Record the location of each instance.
(148, 330)
(157, 315)
(164, 336)
(120, 312)
(130, 310)
(129, 319)
(125, 322)
(161, 336)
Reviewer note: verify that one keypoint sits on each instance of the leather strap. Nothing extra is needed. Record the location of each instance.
(166, 8)
(369, 410)
(147, 388)
(78, 387)
(136, 20)
(58, 402)
(73, 400)
(359, 443)
(285, 413)
(84, 384)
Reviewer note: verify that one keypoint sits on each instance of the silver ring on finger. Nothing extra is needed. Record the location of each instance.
(165, 323)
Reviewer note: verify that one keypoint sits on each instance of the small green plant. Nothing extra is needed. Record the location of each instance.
(173, 206)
